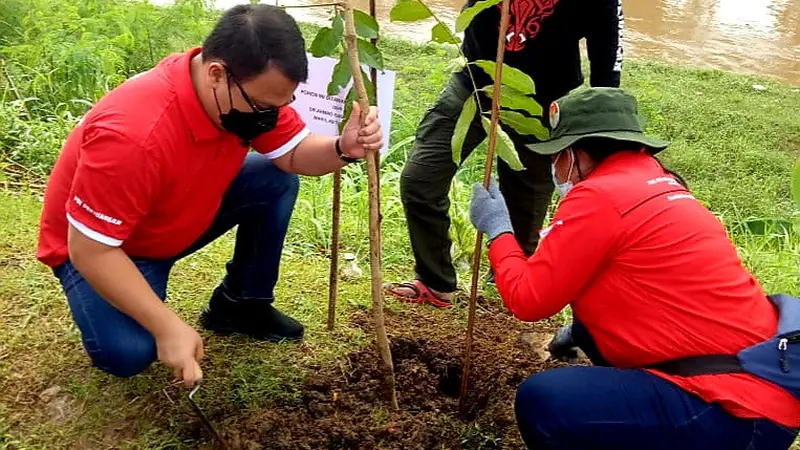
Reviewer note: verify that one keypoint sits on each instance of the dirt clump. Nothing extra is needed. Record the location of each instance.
(345, 406)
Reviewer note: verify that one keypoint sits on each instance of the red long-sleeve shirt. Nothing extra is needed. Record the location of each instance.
(653, 276)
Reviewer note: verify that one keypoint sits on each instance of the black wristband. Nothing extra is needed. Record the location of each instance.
(341, 155)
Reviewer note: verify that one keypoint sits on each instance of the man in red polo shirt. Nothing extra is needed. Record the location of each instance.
(651, 276)
(160, 167)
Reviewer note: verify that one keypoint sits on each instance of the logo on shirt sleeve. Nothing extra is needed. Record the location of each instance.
(620, 33)
(98, 215)
(669, 180)
(545, 231)
(681, 197)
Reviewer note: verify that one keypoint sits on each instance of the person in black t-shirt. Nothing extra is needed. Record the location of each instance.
(543, 41)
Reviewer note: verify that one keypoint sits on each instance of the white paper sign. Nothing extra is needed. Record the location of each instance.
(323, 113)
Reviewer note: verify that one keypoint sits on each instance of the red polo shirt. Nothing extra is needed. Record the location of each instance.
(146, 169)
(653, 276)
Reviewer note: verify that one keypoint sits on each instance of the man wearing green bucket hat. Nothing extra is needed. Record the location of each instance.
(651, 276)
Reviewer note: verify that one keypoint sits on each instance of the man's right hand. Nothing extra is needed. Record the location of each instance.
(180, 348)
(116, 278)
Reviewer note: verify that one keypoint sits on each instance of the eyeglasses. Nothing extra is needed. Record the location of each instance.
(252, 105)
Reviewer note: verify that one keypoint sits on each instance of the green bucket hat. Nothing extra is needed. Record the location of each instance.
(596, 112)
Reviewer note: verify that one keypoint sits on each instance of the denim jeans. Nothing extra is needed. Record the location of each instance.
(260, 201)
(604, 408)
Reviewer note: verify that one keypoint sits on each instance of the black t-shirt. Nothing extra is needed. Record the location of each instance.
(543, 41)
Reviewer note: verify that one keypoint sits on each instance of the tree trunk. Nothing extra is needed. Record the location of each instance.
(333, 285)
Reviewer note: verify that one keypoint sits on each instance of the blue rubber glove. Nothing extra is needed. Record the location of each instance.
(488, 211)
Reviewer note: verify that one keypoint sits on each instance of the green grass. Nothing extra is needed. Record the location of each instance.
(733, 144)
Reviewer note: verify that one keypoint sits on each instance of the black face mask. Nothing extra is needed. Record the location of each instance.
(246, 125)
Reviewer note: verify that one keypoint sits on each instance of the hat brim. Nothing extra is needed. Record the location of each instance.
(556, 145)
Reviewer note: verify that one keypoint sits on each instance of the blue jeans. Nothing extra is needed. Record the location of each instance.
(260, 201)
(603, 408)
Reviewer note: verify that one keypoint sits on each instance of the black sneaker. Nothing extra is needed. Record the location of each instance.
(259, 320)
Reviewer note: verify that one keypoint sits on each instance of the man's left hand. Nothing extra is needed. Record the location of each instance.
(356, 140)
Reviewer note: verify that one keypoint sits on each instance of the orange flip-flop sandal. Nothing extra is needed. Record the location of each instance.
(422, 294)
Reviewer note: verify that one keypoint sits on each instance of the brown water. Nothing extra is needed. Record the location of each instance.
(759, 37)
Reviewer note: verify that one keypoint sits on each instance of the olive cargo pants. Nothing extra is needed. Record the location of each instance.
(427, 176)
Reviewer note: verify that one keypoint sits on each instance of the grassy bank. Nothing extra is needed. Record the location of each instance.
(734, 145)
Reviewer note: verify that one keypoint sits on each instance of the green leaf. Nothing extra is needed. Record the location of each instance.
(524, 125)
(513, 99)
(348, 108)
(338, 26)
(796, 183)
(352, 96)
(440, 33)
(462, 126)
(466, 16)
(366, 26)
(325, 42)
(409, 11)
(341, 75)
(370, 88)
(456, 64)
(512, 77)
(504, 146)
(369, 54)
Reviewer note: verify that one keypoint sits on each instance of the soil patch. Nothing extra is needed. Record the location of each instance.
(345, 406)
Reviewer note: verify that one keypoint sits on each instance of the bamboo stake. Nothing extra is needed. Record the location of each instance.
(333, 284)
(336, 211)
(381, 338)
(373, 73)
(487, 175)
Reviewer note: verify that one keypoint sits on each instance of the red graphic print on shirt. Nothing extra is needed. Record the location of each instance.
(525, 21)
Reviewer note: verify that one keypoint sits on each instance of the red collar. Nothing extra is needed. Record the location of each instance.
(200, 124)
(622, 160)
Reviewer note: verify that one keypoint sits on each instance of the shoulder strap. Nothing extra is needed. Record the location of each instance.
(700, 365)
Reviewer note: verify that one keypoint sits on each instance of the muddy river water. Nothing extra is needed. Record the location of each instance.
(759, 37)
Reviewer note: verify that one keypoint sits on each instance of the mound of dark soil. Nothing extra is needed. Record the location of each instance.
(346, 406)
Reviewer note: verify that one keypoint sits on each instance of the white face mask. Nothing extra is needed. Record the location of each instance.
(563, 188)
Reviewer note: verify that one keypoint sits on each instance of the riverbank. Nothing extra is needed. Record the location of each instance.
(745, 37)
(735, 145)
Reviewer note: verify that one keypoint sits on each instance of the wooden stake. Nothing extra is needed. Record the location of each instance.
(381, 338)
(373, 73)
(336, 212)
(487, 176)
(333, 285)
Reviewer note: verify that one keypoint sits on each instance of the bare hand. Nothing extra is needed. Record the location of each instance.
(357, 140)
(181, 349)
